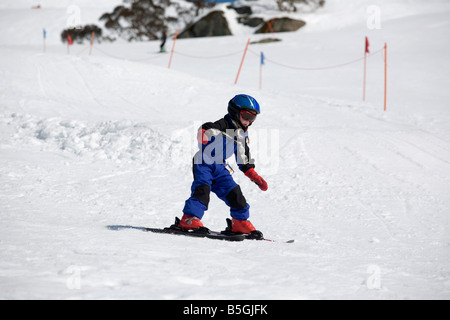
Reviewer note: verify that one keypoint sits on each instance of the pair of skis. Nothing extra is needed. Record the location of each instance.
(204, 232)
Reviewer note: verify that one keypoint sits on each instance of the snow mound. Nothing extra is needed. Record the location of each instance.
(117, 140)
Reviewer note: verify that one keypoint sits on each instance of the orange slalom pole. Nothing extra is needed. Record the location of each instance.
(173, 47)
(385, 74)
(242, 61)
(92, 42)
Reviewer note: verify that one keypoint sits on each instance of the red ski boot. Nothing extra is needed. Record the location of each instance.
(190, 223)
(242, 226)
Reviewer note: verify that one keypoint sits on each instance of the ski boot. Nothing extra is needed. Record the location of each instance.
(190, 223)
(243, 227)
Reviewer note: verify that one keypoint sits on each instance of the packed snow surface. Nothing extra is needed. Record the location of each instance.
(92, 142)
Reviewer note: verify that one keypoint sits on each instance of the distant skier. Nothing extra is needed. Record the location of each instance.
(218, 141)
(162, 47)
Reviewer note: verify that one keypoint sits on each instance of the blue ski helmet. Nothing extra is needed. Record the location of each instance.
(242, 102)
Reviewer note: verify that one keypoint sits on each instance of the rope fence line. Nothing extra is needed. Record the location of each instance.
(210, 57)
(261, 55)
(187, 55)
(233, 54)
(122, 58)
(318, 68)
(81, 51)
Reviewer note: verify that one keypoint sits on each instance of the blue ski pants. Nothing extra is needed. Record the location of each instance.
(216, 178)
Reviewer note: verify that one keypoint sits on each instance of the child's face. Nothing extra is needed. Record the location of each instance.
(245, 122)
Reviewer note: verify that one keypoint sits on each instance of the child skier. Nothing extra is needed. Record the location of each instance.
(218, 141)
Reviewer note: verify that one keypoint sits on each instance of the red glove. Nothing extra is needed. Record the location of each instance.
(252, 175)
(202, 137)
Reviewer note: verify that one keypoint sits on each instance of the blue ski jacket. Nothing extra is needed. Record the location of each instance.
(225, 139)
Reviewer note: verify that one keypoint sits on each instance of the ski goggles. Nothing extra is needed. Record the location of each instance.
(246, 115)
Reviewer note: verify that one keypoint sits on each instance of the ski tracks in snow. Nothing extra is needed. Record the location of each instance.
(387, 165)
(354, 177)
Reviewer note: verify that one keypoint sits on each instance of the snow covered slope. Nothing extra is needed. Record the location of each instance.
(88, 142)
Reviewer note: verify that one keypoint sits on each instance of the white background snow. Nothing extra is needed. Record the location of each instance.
(88, 142)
